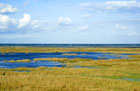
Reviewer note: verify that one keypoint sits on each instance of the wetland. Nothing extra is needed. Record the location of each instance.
(69, 69)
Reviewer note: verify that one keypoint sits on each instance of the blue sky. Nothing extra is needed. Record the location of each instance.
(70, 21)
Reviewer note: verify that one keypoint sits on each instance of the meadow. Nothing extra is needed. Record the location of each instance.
(96, 75)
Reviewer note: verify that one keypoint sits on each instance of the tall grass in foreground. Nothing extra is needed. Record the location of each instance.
(66, 79)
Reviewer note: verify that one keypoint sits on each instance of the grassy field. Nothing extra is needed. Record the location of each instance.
(102, 75)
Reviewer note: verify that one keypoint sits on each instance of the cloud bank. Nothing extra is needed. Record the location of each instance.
(7, 9)
(8, 23)
(64, 21)
(124, 6)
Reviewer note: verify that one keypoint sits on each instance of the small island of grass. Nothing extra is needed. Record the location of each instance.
(69, 54)
(63, 60)
(13, 61)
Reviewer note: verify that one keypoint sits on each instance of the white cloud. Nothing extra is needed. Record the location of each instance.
(64, 21)
(109, 6)
(6, 22)
(118, 26)
(6, 8)
(84, 27)
(35, 24)
(114, 5)
(133, 34)
(25, 21)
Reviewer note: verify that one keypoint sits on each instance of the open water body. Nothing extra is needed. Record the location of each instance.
(31, 56)
(76, 45)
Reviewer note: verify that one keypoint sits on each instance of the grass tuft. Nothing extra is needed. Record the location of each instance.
(13, 61)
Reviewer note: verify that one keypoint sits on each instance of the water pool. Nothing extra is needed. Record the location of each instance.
(31, 56)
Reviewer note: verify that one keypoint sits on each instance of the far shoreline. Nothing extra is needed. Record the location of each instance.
(72, 45)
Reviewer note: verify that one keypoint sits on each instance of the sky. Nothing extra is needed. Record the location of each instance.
(70, 21)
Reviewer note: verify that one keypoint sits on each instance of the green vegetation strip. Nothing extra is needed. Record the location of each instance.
(63, 60)
(47, 49)
(69, 54)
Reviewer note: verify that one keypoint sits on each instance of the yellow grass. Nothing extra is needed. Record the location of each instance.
(83, 54)
(66, 79)
(49, 49)
(12, 61)
(63, 60)
(69, 54)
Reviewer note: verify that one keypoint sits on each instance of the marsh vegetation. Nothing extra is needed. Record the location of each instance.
(112, 74)
(12, 61)
(48, 49)
(69, 54)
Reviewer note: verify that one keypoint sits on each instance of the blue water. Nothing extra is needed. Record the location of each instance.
(76, 45)
(31, 56)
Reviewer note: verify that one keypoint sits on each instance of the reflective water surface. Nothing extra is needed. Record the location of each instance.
(31, 56)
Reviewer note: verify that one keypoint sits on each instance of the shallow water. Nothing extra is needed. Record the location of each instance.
(31, 56)
(23, 71)
(77, 45)
(129, 79)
